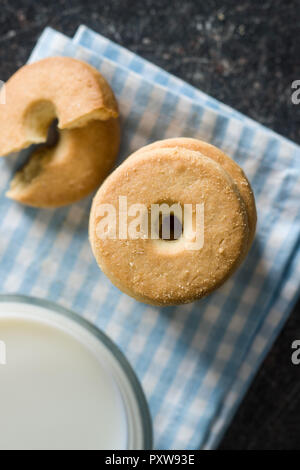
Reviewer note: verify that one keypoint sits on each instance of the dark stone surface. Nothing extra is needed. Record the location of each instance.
(243, 53)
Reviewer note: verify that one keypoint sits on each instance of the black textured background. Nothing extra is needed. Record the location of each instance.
(246, 54)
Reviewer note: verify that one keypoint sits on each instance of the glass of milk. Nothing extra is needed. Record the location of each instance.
(64, 384)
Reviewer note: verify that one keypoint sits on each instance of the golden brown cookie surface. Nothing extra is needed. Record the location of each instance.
(225, 161)
(76, 166)
(79, 98)
(165, 272)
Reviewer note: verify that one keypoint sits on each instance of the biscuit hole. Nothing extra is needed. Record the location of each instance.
(53, 134)
(38, 119)
(170, 227)
(39, 155)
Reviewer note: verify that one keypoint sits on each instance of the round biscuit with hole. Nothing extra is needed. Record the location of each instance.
(214, 236)
(81, 101)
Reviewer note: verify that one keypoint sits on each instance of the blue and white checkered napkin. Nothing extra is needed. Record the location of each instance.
(195, 361)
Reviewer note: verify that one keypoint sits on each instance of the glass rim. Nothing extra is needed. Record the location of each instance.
(134, 382)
